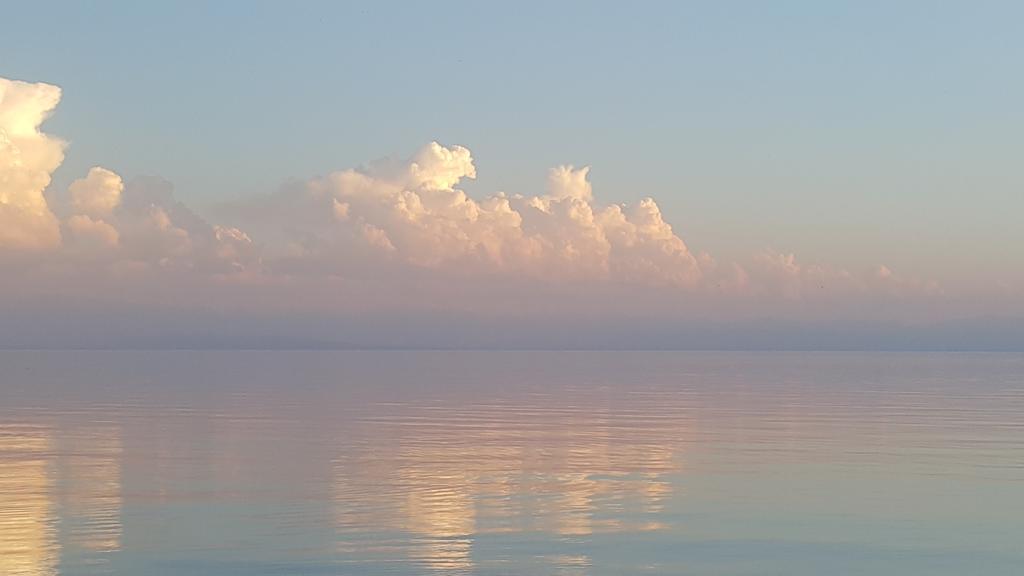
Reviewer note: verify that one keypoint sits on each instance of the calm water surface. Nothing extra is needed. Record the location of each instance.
(274, 463)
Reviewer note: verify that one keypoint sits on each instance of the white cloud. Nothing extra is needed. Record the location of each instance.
(157, 230)
(414, 212)
(98, 193)
(121, 227)
(395, 233)
(567, 182)
(27, 159)
(92, 233)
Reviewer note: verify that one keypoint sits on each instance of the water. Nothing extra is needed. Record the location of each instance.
(274, 463)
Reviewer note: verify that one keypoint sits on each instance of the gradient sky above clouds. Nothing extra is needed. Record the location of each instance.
(805, 163)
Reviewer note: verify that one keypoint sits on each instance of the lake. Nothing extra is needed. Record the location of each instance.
(601, 463)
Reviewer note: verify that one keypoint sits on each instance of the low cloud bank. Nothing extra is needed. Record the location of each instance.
(395, 235)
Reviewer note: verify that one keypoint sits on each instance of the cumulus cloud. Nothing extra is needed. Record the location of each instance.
(414, 213)
(98, 193)
(92, 233)
(153, 229)
(27, 159)
(387, 230)
(107, 222)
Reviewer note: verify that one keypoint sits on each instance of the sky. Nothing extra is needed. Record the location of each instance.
(729, 174)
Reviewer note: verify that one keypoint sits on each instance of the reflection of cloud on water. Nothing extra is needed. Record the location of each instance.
(91, 470)
(439, 509)
(442, 476)
(28, 538)
(60, 495)
(570, 565)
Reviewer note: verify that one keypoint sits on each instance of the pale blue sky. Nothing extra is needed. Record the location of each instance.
(854, 133)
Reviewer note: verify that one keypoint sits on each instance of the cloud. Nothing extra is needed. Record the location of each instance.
(392, 235)
(27, 159)
(155, 230)
(98, 194)
(773, 272)
(392, 213)
(414, 213)
(93, 233)
(108, 225)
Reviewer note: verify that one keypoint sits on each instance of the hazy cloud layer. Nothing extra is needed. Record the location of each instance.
(396, 235)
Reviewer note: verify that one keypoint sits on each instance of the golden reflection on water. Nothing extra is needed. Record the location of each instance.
(60, 493)
(28, 546)
(445, 475)
(386, 477)
(92, 476)
(440, 509)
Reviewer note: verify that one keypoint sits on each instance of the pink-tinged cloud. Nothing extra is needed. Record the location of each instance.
(395, 234)
(413, 213)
